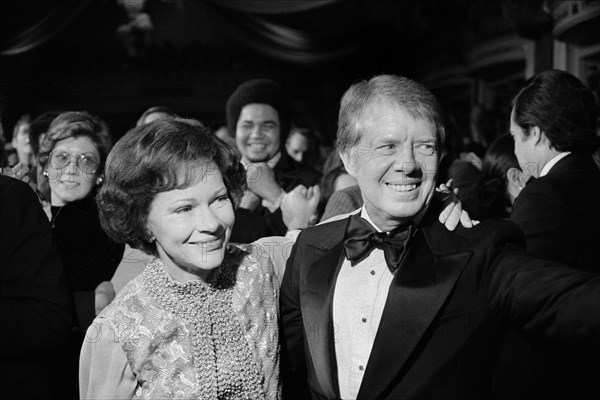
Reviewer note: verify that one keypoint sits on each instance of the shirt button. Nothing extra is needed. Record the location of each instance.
(364, 320)
(361, 367)
(372, 272)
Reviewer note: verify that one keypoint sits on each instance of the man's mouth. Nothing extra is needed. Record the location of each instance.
(257, 146)
(404, 187)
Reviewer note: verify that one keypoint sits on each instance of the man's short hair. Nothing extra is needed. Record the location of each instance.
(413, 97)
(562, 107)
(260, 91)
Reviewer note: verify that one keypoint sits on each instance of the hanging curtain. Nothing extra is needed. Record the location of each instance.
(271, 6)
(33, 33)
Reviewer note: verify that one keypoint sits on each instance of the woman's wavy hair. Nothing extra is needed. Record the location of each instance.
(76, 124)
(163, 155)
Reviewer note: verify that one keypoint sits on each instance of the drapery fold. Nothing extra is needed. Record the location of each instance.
(37, 32)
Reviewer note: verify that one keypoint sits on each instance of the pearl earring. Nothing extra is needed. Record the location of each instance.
(99, 181)
(45, 173)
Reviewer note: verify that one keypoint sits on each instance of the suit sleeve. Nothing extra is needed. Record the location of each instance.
(33, 292)
(544, 298)
(293, 360)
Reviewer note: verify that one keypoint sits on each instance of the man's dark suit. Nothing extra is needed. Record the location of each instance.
(445, 313)
(560, 216)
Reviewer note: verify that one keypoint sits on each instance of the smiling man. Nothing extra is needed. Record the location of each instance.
(259, 112)
(389, 304)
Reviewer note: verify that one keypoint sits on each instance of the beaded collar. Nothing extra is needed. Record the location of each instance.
(225, 365)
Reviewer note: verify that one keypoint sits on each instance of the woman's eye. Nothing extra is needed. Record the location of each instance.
(221, 199)
(183, 210)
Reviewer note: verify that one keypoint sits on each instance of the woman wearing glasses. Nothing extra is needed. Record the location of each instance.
(72, 158)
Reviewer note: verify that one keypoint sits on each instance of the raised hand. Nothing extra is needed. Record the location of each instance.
(299, 207)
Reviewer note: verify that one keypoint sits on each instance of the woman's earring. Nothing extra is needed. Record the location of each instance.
(45, 173)
(99, 181)
(152, 239)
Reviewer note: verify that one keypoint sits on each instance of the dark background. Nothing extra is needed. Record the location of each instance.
(103, 56)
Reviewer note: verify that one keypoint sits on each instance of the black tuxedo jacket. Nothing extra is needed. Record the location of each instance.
(447, 308)
(560, 216)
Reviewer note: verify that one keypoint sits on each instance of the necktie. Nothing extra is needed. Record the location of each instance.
(361, 238)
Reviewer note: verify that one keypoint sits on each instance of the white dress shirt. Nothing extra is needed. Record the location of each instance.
(358, 301)
(553, 162)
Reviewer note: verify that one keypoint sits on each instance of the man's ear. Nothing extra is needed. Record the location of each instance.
(515, 178)
(535, 133)
(349, 162)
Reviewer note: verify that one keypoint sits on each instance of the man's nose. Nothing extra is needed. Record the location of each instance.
(405, 160)
(256, 130)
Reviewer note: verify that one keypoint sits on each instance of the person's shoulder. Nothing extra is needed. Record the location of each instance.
(13, 185)
(491, 232)
(326, 233)
(482, 237)
(132, 291)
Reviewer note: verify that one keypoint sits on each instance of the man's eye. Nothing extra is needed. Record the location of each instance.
(183, 210)
(426, 149)
(387, 147)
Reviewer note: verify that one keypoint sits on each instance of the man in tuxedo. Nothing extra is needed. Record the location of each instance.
(259, 113)
(388, 303)
(553, 122)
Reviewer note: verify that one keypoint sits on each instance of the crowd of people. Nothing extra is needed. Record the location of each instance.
(406, 263)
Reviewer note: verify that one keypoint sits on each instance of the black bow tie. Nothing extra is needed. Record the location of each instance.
(361, 238)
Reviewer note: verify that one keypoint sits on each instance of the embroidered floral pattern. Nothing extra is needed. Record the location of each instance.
(213, 340)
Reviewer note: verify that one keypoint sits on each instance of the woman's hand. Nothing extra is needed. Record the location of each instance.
(299, 207)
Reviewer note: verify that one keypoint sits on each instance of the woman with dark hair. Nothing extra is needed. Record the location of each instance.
(201, 320)
(501, 180)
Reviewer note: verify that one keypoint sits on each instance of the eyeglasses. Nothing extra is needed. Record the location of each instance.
(85, 162)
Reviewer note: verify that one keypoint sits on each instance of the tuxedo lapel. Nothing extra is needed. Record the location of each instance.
(421, 286)
(324, 262)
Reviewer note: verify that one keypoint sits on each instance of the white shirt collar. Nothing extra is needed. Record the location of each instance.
(553, 162)
(364, 215)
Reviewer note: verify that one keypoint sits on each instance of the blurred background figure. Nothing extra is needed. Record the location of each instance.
(501, 181)
(302, 145)
(223, 134)
(72, 158)
(20, 140)
(154, 113)
(336, 178)
(39, 128)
